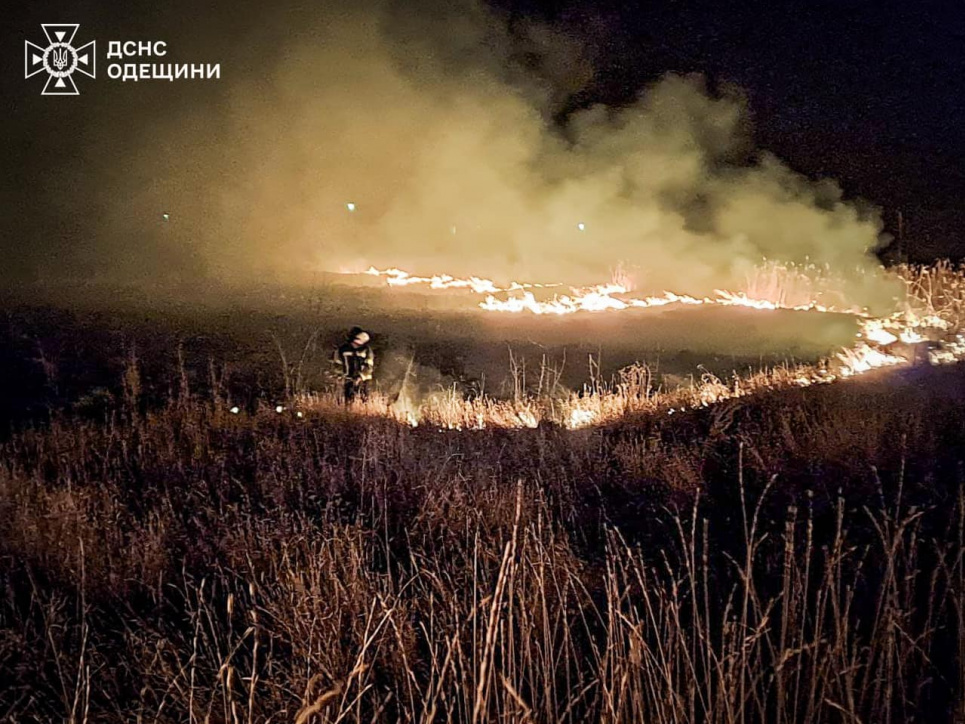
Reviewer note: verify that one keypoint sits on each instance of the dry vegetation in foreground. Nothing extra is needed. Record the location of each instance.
(548, 402)
(792, 556)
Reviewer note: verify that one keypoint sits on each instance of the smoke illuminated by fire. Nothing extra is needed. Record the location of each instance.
(441, 136)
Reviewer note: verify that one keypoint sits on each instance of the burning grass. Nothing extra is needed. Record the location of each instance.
(926, 327)
(733, 550)
(631, 393)
(770, 285)
(791, 556)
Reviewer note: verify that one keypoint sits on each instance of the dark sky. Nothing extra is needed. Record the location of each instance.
(869, 93)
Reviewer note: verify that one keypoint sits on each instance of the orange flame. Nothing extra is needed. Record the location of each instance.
(871, 351)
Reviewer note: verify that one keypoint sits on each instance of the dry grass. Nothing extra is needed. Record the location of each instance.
(631, 393)
(936, 290)
(704, 555)
(796, 285)
(793, 556)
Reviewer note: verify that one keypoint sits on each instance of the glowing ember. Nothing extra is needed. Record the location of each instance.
(581, 418)
(949, 353)
(874, 331)
(864, 358)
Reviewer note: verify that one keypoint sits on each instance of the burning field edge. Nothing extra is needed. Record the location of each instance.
(926, 328)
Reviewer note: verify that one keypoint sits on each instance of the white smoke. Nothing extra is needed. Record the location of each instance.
(444, 143)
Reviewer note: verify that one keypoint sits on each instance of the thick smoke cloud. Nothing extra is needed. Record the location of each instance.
(437, 123)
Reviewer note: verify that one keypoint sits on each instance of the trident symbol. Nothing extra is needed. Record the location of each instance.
(60, 58)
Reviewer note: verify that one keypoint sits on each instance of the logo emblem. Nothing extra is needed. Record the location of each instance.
(59, 59)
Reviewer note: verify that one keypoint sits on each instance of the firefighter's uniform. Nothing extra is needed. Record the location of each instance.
(355, 364)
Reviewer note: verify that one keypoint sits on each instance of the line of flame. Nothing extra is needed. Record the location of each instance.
(871, 351)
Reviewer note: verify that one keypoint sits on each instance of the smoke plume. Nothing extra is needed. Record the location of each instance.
(441, 125)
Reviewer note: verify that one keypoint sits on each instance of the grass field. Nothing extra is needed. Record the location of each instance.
(69, 348)
(795, 555)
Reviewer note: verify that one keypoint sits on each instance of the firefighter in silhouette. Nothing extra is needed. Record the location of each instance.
(354, 362)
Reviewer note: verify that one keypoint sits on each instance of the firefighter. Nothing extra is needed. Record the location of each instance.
(354, 362)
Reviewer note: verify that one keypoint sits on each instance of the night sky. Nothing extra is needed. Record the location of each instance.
(869, 93)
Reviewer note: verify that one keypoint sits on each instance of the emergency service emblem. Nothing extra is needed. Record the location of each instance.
(60, 59)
